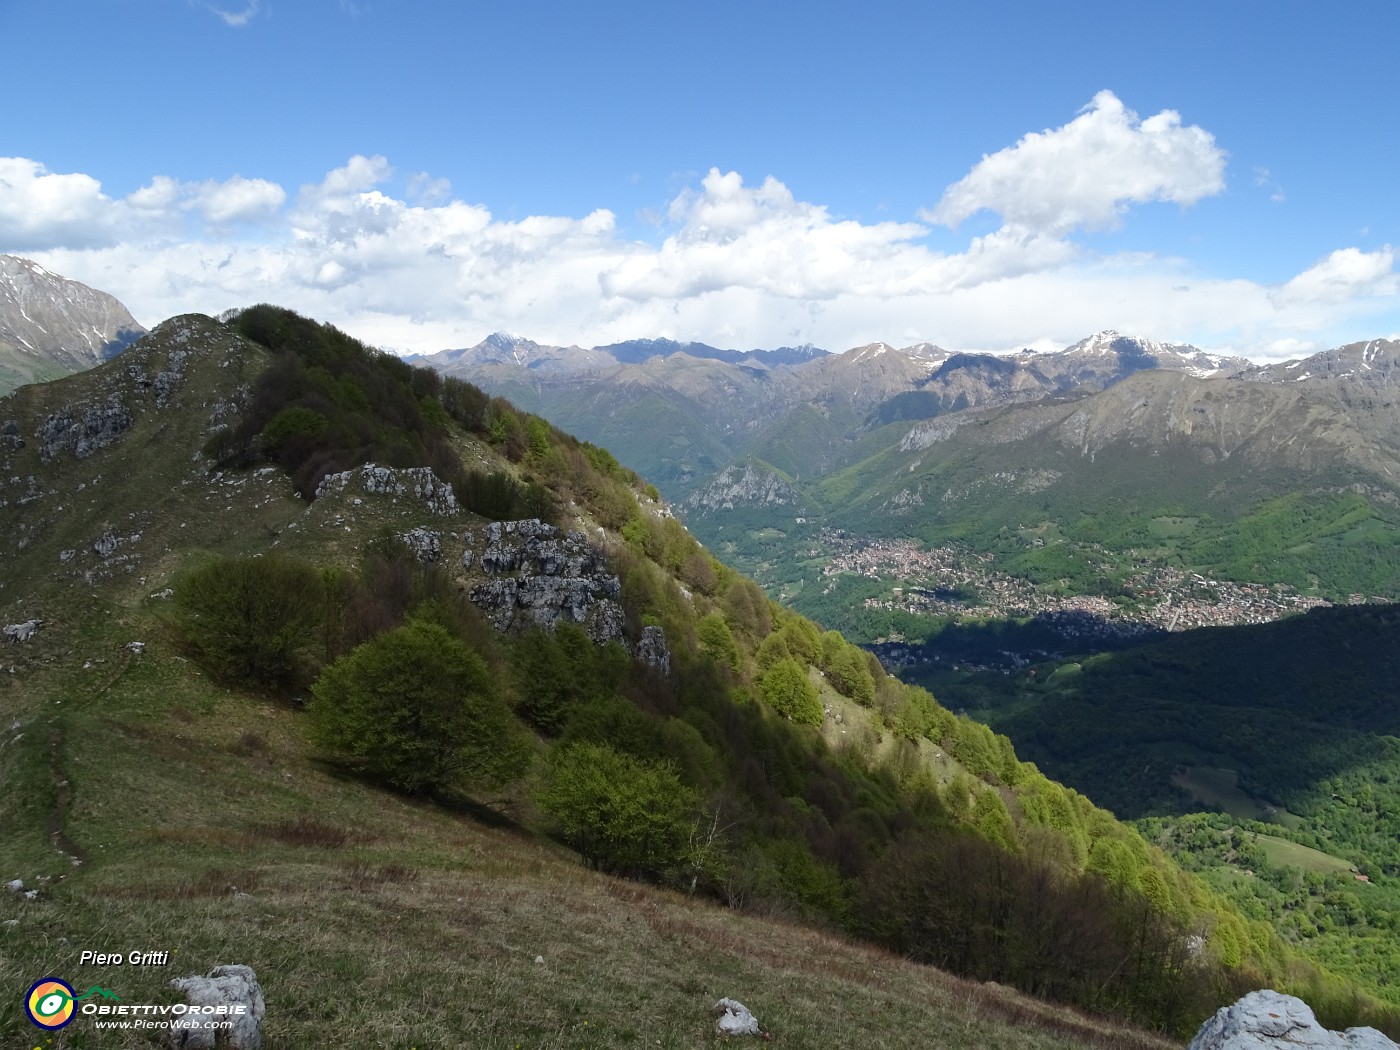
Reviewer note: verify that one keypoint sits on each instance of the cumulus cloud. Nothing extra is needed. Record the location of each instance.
(731, 235)
(1346, 274)
(239, 200)
(1086, 173)
(40, 209)
(400, 262)
(358, 175)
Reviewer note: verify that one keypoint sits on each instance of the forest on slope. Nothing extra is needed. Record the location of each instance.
(1272, 749)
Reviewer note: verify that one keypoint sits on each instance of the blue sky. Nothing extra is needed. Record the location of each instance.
(984, 176)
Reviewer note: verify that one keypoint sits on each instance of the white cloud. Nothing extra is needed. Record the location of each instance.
(1346, 274)
(40, 209)
(1265, 181)
(425, 189)
(239, 200)
(359, 175)
(237, 19)
(729, 235)
(162, 195)
(398, 261)
(1086, 173)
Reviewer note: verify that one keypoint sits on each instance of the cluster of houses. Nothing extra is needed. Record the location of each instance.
(948, 582)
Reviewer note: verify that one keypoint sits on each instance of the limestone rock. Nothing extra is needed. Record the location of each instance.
(652, 649)
(419, 482)
(544, 577)
(734, 1018)
(605, 621)
(97, 427)
(744, 486)
(228, 987)
(1266, 1020)
(22, 632)
(106, 544)
(426, 544)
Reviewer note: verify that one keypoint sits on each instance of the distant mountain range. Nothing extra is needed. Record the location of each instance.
(51, 326)
(503, 348)
(1279, 472)
(681, 412)
(919, 440)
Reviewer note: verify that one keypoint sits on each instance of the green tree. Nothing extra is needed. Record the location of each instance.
(418, 709)
(786, 689)
(848, 672)
(250, 619)
(773, 649)
(992, 820)
(289, 423)
(537, 436)
(625, 815)
(716, 641)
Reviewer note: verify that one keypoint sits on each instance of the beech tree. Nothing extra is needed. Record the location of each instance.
(625, 815)
(419, 710)
(248, 619)
(785, 688)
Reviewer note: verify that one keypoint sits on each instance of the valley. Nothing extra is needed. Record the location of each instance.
(922, 589)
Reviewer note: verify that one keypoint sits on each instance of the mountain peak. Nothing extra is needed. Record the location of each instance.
(51, 325)
(868, 352)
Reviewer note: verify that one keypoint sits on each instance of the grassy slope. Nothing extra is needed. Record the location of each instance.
(202, 826)
(211, 835)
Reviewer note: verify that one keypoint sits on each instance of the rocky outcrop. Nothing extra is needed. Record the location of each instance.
(228, 993)
(426, 544)
(1266, 1020)
(106, 544)
(419, 482)
(97, 427)
(165, 382)
(744, 486)
(652, 649)
(543, 577)
(22, 632)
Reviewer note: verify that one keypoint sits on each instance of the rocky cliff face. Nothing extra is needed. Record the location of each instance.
(1374, 364)
(744, 486)
(51, 326)
(540, 576)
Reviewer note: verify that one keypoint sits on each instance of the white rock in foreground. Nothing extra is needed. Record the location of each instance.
(1267, 1020)
(734, 1018)
(226, 987)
